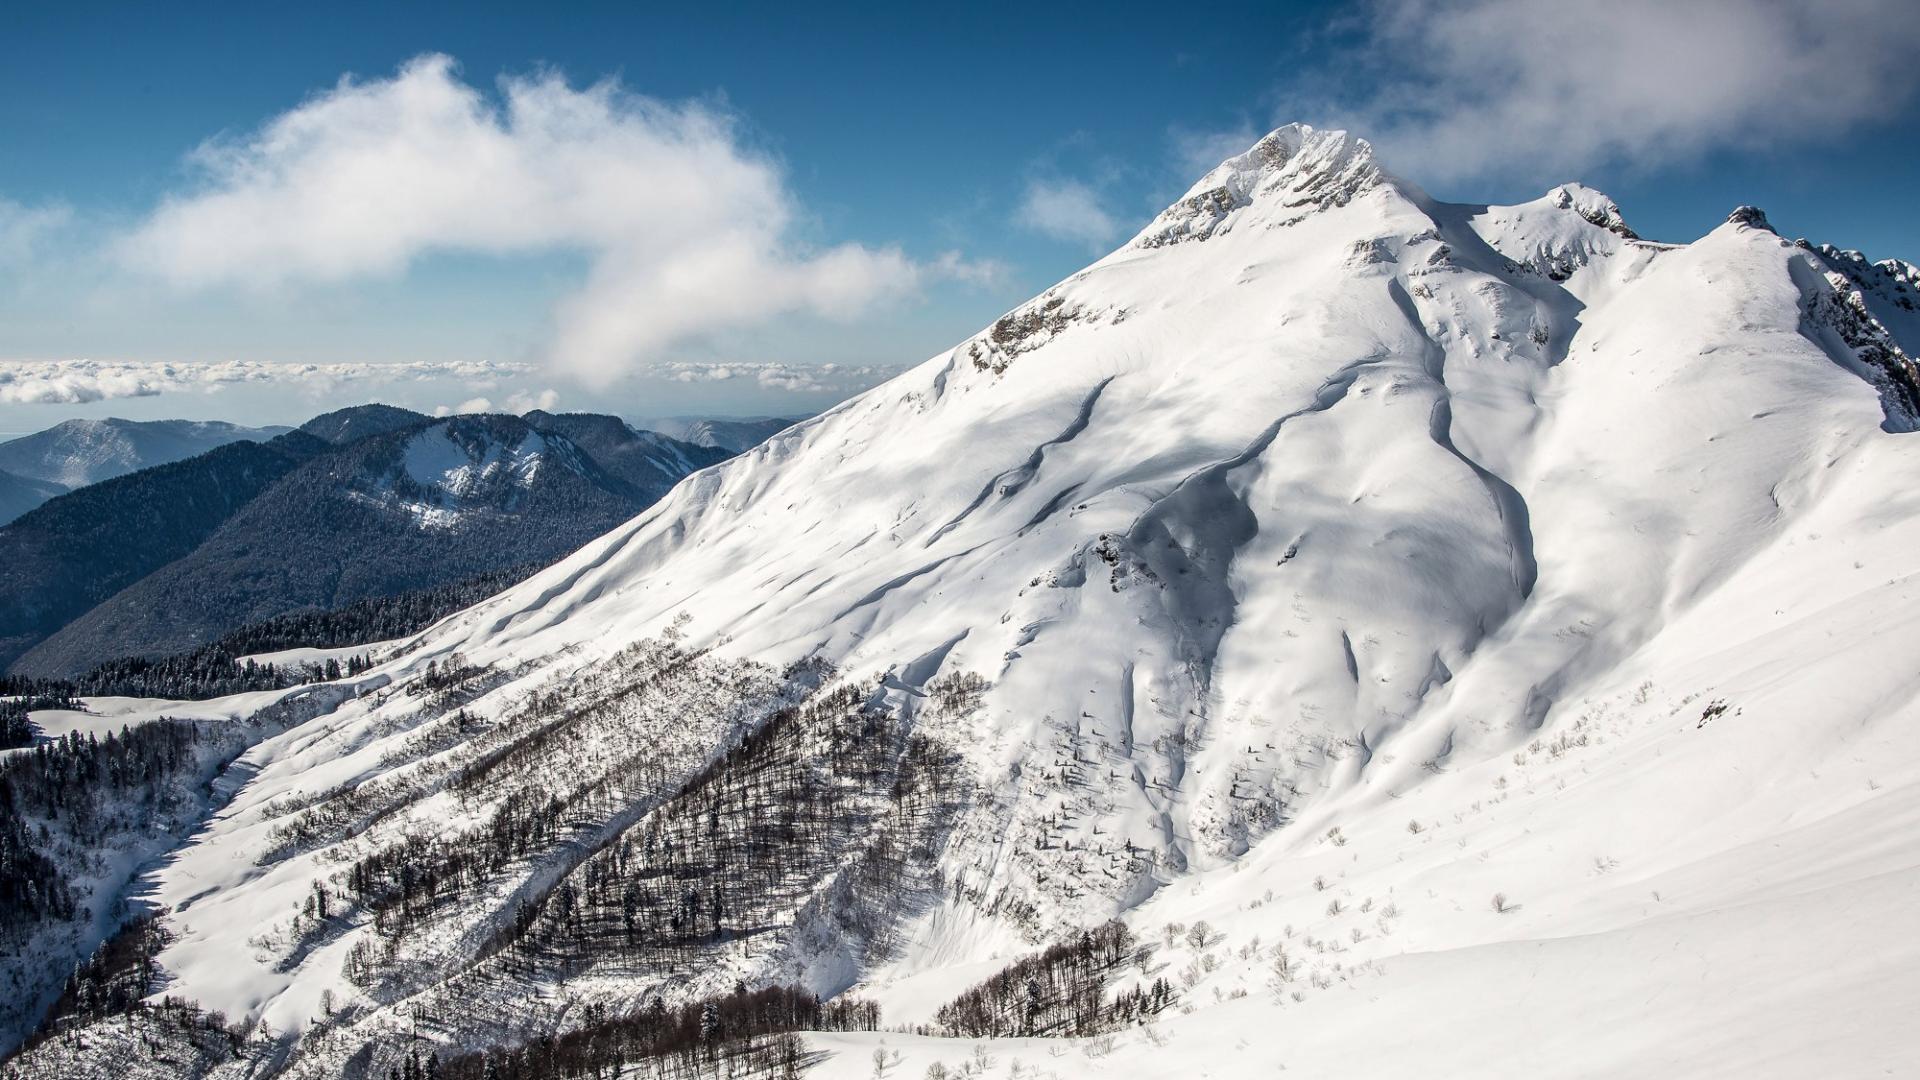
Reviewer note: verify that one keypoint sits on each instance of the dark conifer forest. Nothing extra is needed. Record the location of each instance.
(218, 669)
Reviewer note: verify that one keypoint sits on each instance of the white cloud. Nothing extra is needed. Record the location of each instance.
(523, 401)
(985, 273)
(25, 228)
(1196, 152)
(70, 382)
(1544, 90)
(688, 229)
(1067, 210)
(467, 407)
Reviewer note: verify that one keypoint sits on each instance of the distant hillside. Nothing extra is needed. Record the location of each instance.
(76, 453)
(347, 425)
(19, 494)
(64, 557)
(226, 666)
(732, 435)
(435, 502)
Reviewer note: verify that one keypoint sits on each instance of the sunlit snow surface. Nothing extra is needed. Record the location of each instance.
(434, 460)
(1358, 548)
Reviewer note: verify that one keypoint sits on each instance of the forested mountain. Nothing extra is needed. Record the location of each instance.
(75, 453)
(77, 550)
(227, 666)
(381, 618)
(343, 426)
(431, 503)
(1434, 638)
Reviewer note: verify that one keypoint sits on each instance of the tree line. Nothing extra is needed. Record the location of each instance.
(748, 1032)
(829, 786)
(208, 672)
(1060, 991)
(217, 669)
(17, 728)
(84, 787)
(381, 618)
(117, 980)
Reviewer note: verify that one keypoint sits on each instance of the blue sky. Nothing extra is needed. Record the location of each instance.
(890, 178)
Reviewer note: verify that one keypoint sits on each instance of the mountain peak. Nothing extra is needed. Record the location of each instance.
(1593, 205)
(1751, 217)
(343, 426)
(1297, 169)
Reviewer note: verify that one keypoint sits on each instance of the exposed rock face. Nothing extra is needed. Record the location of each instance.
(1593, 206)
(1291, 172)
(1751, 217)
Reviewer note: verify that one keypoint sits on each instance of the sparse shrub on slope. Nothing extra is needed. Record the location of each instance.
(1061, 991)
(827, 796)
(746, 1033)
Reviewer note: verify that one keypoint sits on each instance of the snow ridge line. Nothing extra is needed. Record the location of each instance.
(1018, 477)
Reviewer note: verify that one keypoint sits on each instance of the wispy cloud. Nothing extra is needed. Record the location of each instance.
(467, 407)
(518, 402)
(1471, 88)
(984, 273)
(521, 401)
(1068, 210)
(71, 382)
(689, 229)
(24, 229)
(1196, 151)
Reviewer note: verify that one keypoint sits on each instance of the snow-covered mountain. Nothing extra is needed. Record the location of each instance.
(1453, 639)
(75, 453)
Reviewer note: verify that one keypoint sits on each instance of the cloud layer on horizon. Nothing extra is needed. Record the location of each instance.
(689, 231)
(792, 378)
(77, 382)
(74, 382)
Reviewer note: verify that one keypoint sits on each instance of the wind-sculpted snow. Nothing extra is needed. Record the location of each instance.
(1414, 594)
(1014, 480)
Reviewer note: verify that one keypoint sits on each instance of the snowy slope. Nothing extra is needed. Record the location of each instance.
(1337, 559)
